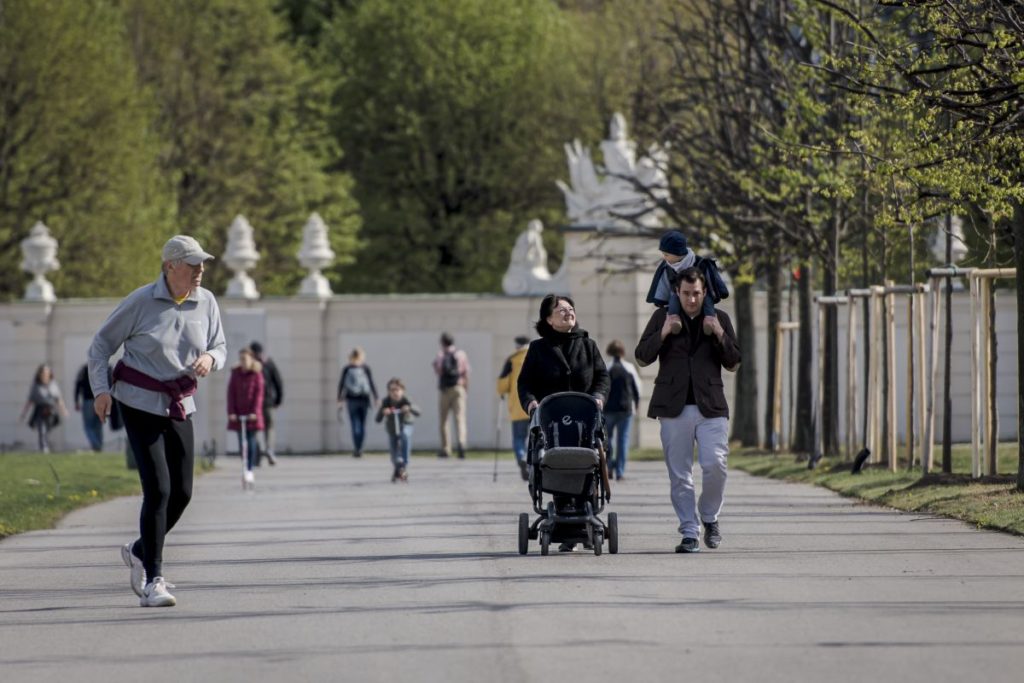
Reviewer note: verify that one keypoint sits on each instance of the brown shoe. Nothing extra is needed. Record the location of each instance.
(675, 324)
(708, 329)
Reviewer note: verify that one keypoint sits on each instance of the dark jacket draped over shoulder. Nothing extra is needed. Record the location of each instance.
(562, 361)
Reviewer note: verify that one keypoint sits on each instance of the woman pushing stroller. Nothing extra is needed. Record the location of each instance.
(565, 358)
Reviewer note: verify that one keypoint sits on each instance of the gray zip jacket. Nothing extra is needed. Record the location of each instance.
(161, 339)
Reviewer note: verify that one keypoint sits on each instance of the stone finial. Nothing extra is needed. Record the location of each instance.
(240, 255)
(39, 252)
(315, 254)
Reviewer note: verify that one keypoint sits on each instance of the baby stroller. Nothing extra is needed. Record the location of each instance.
(566, 459)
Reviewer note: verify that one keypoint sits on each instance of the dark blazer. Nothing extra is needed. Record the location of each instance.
(677, 363)
(562, 362)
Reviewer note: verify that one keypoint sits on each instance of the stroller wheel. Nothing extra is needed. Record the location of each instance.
(598, 541)
(524, 533)
(545, 542)
(613, 533)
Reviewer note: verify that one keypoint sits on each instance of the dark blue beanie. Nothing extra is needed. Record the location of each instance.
(673, 242)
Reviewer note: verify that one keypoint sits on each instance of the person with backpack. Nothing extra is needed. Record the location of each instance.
(623, 402)
(451, 365)
(357, 392)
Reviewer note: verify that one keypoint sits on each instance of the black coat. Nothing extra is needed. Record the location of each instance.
(623, 394)
(558, 361)
(273, 386)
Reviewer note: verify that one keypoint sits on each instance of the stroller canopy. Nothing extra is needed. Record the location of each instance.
(569, 419)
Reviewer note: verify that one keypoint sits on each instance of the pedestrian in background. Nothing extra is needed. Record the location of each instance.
(623, 402)
(508, 383)
(451, 365)
(245, 399)
(398, 414)
(91, 424)
(273, 395)
(358, 393)
(46, 405)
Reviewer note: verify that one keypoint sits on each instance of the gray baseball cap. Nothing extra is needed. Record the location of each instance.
(185, 248)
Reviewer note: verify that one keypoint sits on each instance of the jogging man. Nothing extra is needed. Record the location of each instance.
(172, 337)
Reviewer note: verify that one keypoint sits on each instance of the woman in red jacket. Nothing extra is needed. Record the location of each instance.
(245, 399)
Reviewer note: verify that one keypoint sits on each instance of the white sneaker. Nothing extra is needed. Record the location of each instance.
(155, 594)
(248, 479)
(135, 564)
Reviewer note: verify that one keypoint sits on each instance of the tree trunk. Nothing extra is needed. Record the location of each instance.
(830, 392)
(993, 359)
(803, 437)
(947, 400)
(773, 284)
(1018, 257)
(744, 413)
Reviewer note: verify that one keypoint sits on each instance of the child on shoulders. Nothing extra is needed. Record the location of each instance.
(677, 258)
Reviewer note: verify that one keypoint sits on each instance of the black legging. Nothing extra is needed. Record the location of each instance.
(164, 451)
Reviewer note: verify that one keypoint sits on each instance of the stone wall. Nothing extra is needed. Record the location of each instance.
(310, 341)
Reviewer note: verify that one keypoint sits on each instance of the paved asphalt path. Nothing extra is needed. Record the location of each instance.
(330, 572)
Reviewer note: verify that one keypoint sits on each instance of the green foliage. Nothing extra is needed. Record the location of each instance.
(452, 116)
(241, 119)
(76, 149)
(931, 85)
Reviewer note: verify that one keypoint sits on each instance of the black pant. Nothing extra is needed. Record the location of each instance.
(165, 453)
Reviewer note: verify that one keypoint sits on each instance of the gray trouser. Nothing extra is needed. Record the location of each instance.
(677, 441)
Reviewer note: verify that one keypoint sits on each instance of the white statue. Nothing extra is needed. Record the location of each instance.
(629, 191)
(528, 272)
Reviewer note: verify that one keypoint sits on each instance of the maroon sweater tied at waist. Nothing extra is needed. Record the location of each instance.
(177, 389)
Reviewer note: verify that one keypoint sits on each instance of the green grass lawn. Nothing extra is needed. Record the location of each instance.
(30, 497)
(991, 502)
